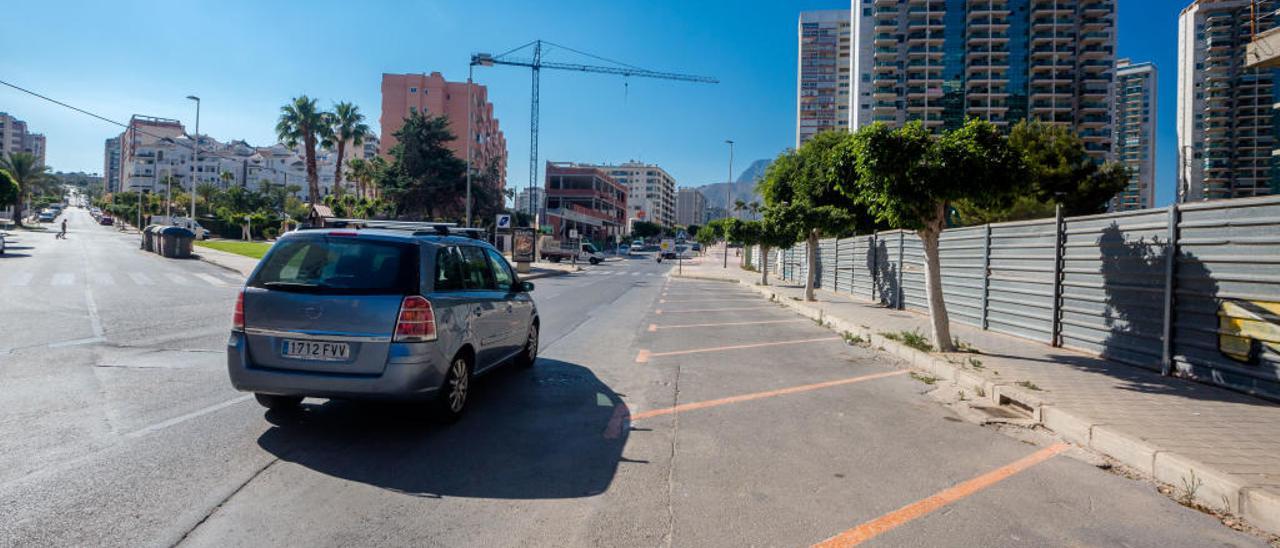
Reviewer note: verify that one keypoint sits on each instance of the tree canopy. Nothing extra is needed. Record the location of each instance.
(645, 229)
(424, 178)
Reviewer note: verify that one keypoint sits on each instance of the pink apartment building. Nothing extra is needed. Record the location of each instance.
(430, 93)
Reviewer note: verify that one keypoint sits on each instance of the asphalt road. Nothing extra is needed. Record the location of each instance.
(662, 412)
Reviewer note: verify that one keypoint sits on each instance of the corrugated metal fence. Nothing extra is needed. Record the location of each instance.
(1192, 290)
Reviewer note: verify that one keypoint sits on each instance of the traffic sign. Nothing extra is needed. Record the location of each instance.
(503, 221)
(667, 244)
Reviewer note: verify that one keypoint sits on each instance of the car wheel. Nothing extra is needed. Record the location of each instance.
(595, 261)
(529, 355)
(278, 403)
(456, 389)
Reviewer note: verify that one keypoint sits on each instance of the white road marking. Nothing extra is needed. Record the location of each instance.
(184, 418)
(103, 278)
(140, 278)
(211, 279)
(94, 320)
(63, 278)
(178, 279)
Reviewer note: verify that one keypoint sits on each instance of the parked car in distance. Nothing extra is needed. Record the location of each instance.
(106, 220)
(201, 232)
(378, 314)
(46, 216)
(696, 246)
(638, 244)
(624, 249)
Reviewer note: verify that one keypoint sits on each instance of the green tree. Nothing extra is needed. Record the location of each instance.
(707, 235)
(424, 178)
(909, 179)
(1059, 172)
(226, 177)
(206, 192)
(346, 123)
(645, 229)
(9, 189)
(802, 187)
(775, 230)
(301, 121)
(32, 177)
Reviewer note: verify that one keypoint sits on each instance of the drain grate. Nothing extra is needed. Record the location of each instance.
(1001, 412)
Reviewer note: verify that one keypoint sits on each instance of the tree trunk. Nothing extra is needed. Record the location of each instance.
(764, 265)
(337, 171)
(811, 258)
(17, 207)
(933, 280)
(313, 177)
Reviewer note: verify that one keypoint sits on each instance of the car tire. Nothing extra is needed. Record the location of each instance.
(452, 400)
(594, 261)
(278, 403)
(529, 354)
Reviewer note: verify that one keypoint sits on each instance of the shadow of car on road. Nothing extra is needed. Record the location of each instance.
(555, 431)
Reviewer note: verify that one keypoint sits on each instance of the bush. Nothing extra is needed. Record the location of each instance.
(270, 232)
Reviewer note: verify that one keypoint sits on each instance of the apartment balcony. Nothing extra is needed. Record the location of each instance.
(886, 3)
(1264, 50)
(983, 11)
(885, 39)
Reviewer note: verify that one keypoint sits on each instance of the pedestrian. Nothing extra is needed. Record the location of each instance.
(63, 235)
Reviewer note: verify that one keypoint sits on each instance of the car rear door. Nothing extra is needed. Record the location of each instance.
(328, 303)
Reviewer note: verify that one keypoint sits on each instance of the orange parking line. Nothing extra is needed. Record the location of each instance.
(759, 395)
(644, 355)
(892, 520)
(655, 327)
(721, 309)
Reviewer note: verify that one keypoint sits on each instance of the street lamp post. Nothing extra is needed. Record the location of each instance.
(728, 198)
(195, 163)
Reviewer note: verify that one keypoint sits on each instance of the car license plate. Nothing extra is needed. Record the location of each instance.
(314, 350)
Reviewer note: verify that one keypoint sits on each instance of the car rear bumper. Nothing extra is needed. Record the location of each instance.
(414, 372)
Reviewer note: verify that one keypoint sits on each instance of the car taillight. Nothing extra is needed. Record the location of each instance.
(237, 318)
(417, 322)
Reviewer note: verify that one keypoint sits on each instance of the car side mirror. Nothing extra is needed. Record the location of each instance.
(525, 287)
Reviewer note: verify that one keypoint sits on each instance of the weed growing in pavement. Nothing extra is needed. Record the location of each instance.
(1187, 495)
(980, 391)
(749, 268)
(927, 379)
(852, 339)
(1028, 385)
(960, 394)
(913, 339)
(962, 346)
(976, 363)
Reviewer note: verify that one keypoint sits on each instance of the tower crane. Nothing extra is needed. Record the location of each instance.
(535, 62)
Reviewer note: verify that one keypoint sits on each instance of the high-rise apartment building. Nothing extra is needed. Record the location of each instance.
(536, 196)
(111, 164)
(14, 137)
(651, 191)
(1134, 119)
(942, 61)
(691, 207)
(822, 79)
(403, 94)
(1226, 125)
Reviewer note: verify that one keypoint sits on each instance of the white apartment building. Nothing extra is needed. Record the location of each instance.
(822, 80)
(1134, 118)
(1226, 125)
(651, 191)
(539, 199)
(14, 137)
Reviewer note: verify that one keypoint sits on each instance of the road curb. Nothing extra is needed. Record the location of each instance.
(1258, 506)
(229, 268)
(544, 274)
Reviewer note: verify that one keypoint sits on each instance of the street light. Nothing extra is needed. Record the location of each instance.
(195, 163)
(485, 60)
(728, 199)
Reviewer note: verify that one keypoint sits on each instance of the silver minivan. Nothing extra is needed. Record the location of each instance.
(378, 314)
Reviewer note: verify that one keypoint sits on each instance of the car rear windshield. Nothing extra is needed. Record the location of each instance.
(340, 265)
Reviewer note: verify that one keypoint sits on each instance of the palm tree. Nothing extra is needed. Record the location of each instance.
(738, 206)
(226, 177)
(206, 192)
(346, 123)
(377, 166)
(754, 208)
(301, 122)
(358, 171)
(30, 175)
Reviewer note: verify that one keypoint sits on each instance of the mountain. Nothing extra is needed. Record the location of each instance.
(743, 189)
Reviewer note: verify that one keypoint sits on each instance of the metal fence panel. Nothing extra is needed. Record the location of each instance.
(1021, 300)
(963, 269)
(863, 272)
(1226, 318)
(1113, 277)
(913, 292)
(828, 264)
(844, 265)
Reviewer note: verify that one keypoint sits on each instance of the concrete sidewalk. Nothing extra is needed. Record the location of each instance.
(1218, 447)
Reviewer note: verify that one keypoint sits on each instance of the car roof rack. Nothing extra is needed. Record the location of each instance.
(418, 228)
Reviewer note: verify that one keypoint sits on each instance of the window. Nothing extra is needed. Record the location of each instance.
(340, 266)
(476, 267)
(501, 270)
(413, 90)
(449, 265)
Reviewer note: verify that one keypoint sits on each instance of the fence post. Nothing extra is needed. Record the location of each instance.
(1058, 239)
(986, 273)
(1170, 283)
(875, 265)
(902, 242)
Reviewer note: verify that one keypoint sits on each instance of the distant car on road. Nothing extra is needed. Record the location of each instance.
(106, 220)
(378, 314)
(696, 246)
(624, 249)
(46, 216)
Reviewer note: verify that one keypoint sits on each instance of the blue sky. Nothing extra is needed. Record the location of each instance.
(245, 59)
